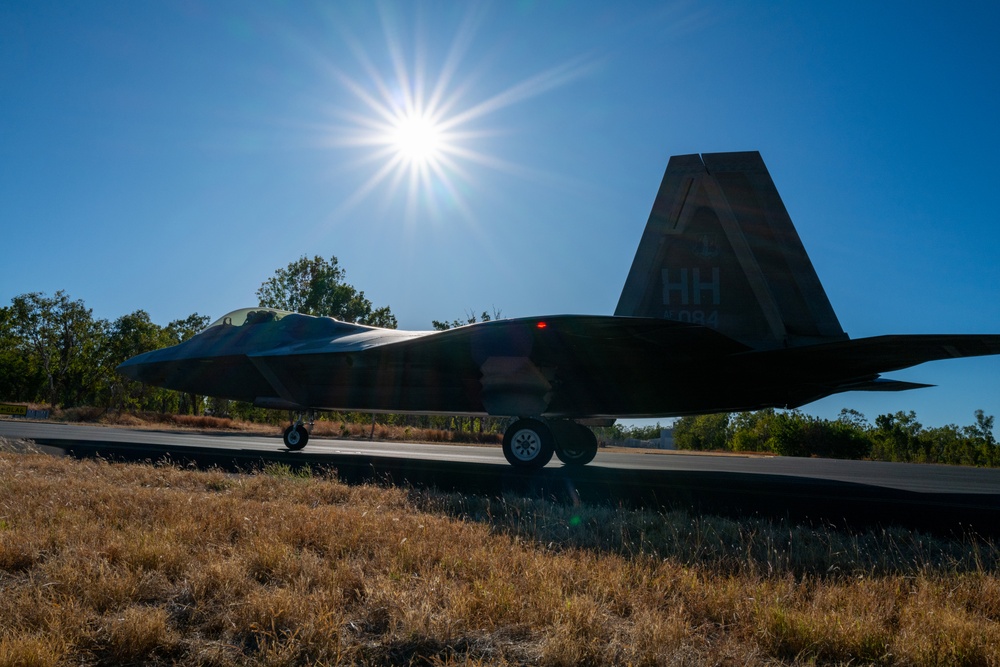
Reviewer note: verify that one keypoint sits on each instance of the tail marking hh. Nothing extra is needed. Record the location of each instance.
(719, 249)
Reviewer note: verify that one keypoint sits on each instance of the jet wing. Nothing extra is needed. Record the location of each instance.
(566, 363)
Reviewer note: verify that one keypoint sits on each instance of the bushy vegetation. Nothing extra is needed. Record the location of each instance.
(130, 564)
(895, 437)
(618, 432)
(53, 351)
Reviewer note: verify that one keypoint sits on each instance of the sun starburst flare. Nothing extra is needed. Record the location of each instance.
(426, 135)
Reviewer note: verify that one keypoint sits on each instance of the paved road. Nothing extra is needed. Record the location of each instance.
(929, 496)
(902, 476)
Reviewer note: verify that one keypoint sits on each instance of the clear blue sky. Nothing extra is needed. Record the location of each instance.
(169, 156)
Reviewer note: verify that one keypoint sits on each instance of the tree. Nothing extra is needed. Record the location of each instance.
(20, 376)
(130, 335)
(90, 378)
(853, 418)
(751, 431)
(316, 287)
(791, 433)
(470, 318)
(52, 330)
(181, 330)
(982, 430)
(896, 437)
(981, 439)
(702, 432)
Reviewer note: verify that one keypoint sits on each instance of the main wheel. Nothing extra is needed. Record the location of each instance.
(527, 444)
(576, 445)
(296, 436)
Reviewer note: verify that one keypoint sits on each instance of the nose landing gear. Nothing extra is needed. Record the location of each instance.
(297, 435)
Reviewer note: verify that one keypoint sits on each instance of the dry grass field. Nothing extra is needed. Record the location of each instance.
(137, 564)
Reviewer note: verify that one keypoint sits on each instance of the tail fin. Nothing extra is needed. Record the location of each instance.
(719, 249)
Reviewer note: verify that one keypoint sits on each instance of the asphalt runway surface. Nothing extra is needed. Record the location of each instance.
(848, 493)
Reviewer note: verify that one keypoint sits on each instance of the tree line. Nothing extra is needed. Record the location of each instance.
(54, 351)
(893, 437)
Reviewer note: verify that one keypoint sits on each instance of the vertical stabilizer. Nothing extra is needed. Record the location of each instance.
(720, 250)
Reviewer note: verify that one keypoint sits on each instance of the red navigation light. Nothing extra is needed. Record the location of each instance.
(541, 325)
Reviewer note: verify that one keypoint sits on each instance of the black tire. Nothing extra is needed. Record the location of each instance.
(576, 445)
(296, 437)
(527, 444)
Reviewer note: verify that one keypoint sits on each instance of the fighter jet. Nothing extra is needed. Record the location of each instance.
(722, 311)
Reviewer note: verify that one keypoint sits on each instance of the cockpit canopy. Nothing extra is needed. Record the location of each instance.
(250, 316)
(271, 326)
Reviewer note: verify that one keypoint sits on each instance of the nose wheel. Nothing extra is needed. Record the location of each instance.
(297, 435)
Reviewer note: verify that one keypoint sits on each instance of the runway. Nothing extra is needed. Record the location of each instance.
(934, 497)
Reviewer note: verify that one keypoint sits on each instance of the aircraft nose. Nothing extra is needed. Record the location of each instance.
(137, 368)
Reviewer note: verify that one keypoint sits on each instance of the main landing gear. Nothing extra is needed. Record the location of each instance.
(530, 443)
(297, 435)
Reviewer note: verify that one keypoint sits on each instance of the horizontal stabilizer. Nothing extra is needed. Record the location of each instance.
(882, 384)
(880, 354)
(855, 365)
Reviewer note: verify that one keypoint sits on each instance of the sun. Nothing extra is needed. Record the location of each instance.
(419, 129)
(417, 139)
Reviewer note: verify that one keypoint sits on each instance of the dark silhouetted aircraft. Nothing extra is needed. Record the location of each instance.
(722, 311)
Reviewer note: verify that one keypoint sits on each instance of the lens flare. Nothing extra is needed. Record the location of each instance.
(418, 128)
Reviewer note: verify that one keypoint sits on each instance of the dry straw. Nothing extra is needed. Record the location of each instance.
(111, 564)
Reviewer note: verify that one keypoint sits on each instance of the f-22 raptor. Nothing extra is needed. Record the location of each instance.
(722, 311)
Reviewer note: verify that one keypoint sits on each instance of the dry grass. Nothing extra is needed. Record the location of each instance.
(109, 564)
(108, 417)
(347, 430)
